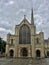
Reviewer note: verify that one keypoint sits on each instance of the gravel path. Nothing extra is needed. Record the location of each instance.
(20, 61)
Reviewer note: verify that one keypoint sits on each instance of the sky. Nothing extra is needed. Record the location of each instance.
(12, 12)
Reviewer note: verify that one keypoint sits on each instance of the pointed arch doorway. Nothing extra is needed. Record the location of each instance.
(24, 52)
(11, 53)
(47, 53)
(38, 53)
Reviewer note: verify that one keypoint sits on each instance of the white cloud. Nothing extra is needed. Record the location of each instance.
(9, 3)
(5, 30)
(38, 19)
(2, 29)
(5, 24)
(10, 14)
(21, 10)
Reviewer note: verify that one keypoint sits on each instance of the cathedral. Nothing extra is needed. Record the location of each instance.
(26, 42)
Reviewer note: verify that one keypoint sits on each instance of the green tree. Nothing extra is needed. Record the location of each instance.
(2, 45)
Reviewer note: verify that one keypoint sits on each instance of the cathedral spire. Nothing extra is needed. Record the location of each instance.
(32, 18)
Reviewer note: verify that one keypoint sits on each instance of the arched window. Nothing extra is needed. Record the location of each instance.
(11, 41)
(37, 40)
(24, 35)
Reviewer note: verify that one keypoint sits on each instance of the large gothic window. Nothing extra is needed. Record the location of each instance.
(24, 35)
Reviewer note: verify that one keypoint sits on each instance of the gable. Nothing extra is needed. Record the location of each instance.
(24, 21)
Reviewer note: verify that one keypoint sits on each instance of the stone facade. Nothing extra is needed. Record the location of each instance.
(36, 46)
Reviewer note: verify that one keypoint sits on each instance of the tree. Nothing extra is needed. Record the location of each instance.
(2, 45)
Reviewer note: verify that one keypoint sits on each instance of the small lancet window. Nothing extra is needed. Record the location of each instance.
(11, 41)
(37, 40)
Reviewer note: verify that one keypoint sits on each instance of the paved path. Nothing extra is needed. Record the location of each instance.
(22, 61)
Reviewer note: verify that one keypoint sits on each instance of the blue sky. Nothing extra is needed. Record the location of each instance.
(13, 11)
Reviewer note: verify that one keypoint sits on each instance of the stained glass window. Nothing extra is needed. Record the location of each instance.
(24, 35)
